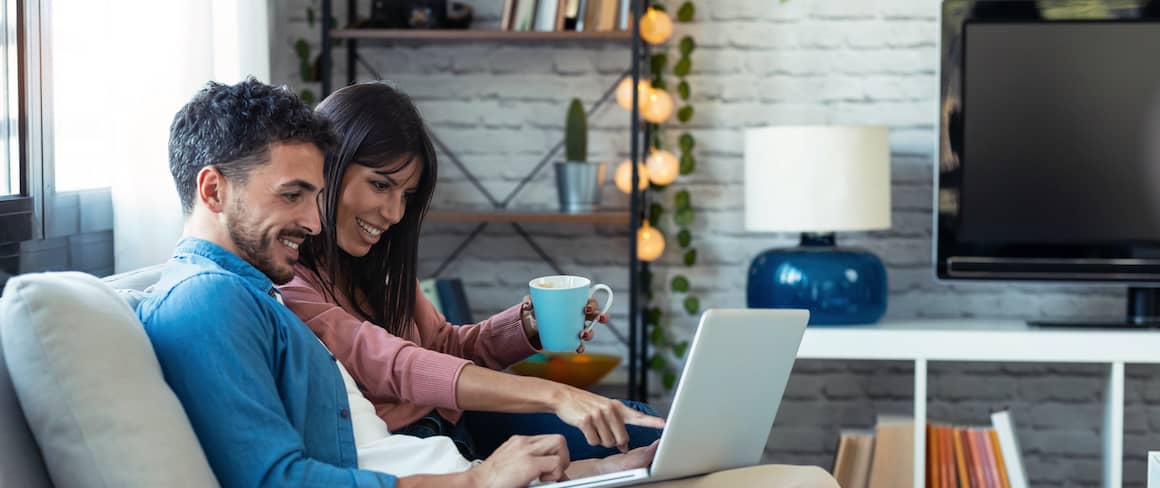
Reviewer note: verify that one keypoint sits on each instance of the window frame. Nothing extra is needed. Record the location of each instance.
(28, 210)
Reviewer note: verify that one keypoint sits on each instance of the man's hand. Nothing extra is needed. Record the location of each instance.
(522, 460)
(600, 419)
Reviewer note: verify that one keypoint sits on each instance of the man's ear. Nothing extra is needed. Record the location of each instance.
(211, 189)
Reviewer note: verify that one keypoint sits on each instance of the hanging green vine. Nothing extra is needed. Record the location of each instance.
(683, 215)
(308, 61)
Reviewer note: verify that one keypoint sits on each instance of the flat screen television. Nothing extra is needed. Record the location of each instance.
(1049, 145)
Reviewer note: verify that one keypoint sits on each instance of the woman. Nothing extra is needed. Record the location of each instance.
(356, 288)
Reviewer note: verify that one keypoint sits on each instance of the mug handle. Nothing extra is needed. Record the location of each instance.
(589, 324)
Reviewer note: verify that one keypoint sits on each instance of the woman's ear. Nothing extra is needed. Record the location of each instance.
(211, 189)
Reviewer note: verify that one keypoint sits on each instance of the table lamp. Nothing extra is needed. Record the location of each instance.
(817, 181)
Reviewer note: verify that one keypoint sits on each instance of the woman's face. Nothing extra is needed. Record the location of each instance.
(372, 200)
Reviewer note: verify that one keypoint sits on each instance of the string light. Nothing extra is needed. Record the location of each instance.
(659, 106)
(623, 176)
(656, 27)
(624, 93)
(650, 243)
(663, 167)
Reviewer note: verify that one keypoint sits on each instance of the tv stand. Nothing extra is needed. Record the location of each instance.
(1143, 313)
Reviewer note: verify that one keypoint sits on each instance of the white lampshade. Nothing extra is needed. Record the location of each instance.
(817, 179)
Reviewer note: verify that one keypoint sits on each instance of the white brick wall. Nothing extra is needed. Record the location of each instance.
(500, 106)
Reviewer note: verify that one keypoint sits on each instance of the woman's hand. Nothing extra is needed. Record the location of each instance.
(640, 457)
(602, 420)
(528, 319)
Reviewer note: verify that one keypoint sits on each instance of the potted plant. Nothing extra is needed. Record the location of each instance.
(578, 182)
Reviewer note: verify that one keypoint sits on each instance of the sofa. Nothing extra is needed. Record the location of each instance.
(83, 401)
(82, 398)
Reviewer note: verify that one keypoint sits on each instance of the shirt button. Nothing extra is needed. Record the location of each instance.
(344, 413)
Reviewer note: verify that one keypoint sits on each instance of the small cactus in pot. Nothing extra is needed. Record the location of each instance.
(578, 182)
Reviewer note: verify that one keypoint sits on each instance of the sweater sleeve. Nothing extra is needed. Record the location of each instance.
(390, 368)
(496, 343)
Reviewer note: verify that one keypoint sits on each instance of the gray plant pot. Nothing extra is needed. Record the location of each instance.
(579, 185)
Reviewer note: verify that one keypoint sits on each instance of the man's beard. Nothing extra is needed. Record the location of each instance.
(255, 246)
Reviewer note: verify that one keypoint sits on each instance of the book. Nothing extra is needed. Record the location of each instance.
(431, 292)
(893, 463)
(505, 18)
(623, 21)
(852, 462)
(1004, 482)
(960, 459)
(546, 15)
(525, 15)
(1009, 449)
(455, 307)
(600, 15)
(570, 15)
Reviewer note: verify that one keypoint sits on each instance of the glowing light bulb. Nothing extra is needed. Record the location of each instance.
(655, 27)
(623, 176)
(650, 243)
(624, 93)
(659, 106)
(663, 167)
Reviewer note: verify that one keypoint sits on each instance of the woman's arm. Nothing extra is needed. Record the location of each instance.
(498, 342)
(601, 419)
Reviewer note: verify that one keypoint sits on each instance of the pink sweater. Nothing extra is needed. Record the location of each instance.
(404, 377)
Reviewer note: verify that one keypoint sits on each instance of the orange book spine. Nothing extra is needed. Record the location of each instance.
(931, 457)
(978, 468)
(948, 468)
(961, 459)
(1000, 465)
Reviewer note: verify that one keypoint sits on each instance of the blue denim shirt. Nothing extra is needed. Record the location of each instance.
(265, 397)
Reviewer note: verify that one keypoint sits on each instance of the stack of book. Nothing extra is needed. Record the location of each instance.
(565, 15)
(956, 456)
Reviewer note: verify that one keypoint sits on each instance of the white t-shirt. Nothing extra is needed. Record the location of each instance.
(397, 454)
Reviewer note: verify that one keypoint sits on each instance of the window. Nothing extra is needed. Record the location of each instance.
(84, 94)
(9, 127)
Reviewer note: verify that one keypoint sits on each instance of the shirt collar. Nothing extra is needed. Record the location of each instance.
(228, 261)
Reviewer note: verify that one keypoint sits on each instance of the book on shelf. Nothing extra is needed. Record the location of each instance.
(852, 462)
(600, 15)
(548, 18)
(956, 456)
(505, 17)
(893, 462)
(449, 299)
(524, 16)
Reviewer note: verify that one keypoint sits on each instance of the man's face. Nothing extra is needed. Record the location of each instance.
(272, 213)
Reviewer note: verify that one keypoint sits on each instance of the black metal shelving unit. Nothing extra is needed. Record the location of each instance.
(637, 340)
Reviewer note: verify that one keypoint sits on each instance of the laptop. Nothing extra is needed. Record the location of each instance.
(726, 399)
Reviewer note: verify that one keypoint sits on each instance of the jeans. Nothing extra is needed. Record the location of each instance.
(479, 434)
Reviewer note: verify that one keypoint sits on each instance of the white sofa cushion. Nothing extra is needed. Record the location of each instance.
(91, 387)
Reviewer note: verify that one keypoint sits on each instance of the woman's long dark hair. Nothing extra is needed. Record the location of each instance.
(377, 126)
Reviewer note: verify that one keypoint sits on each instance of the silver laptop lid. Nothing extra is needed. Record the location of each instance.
(729, 392)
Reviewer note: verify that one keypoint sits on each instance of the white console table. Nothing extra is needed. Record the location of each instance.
(992, 341)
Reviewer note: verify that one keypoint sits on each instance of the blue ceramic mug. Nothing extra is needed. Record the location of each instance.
(559, 303)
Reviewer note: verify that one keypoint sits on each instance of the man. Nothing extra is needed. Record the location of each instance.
(264, 396)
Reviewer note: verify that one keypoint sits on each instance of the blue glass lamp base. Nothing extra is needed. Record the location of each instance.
(837, 285)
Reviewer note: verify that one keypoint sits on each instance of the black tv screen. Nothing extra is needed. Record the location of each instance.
(1049, 165)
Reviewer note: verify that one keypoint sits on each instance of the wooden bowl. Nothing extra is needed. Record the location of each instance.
(579, 370)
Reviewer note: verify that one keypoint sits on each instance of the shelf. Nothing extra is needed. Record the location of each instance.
(981, 340)
(526, 217)
(477, 35)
